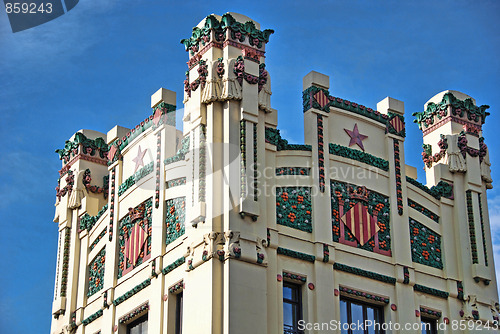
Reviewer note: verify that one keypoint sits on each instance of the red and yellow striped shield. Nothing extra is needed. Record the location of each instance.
(321, 98)
(135, 244)
(397, 124)
(361, 224)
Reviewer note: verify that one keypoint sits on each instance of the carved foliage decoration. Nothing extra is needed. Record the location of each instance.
(293, 207)
(463, 109)
(87, 178)
(425, 245)
(96, 273)
(175, 218)
(88, 147)
(135, 237)
(360, 218)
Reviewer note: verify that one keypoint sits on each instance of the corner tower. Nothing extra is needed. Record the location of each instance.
(457, 165)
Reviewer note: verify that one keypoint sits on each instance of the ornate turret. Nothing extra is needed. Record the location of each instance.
(457, 166)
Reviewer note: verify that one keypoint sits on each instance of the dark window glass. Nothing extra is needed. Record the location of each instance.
(292, 308)
(178, 313)
(429, 326)
(355, 312)
(139, 326)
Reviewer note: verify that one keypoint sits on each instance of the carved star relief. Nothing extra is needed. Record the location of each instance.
(139, 158)
(356, 137)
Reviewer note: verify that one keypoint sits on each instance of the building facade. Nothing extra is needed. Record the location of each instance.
(226, 227)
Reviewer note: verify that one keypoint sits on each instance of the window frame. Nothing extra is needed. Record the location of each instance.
(299, 314)
(429, 320)
(141, 319)
(378, 308)
(179, 302)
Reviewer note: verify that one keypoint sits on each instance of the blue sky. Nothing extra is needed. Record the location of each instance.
(98, 65)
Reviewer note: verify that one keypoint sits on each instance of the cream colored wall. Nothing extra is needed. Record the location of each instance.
(237, 294)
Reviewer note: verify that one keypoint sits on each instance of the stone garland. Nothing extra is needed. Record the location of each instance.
(243, 160)
(99, 237)
(399, 121)
(295, 254)
(176, 182)
(95, 189)
(68, 188)
(175, 218)
(459, 108)
(134, 313)
(431, 291)
(89, 147)
(177, 263)
(92, 317)
(158, 171)
(293, 207)
(125, 229)
(181, 153)
(220, 68)
(294, 277)
(321, 155)
(293, 171)
(65, 266)
(343, 197)
(255, 173)
(273, 137)
(357, 155)
(112, 204)
(239, 71)
(364, 273)
(472, 228)
(427, 156)
(368, 296)
(464, 149)
(397, 167)
(426, 212)
(176, 287)
(425, 245)
(238, 31)
(134, 178)
(326, 253)
(406, 275)
(96, 272)
(87, 221)
(200, 81)
(203, 164)
(132, 292)
(483, 233)
(424, 310)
